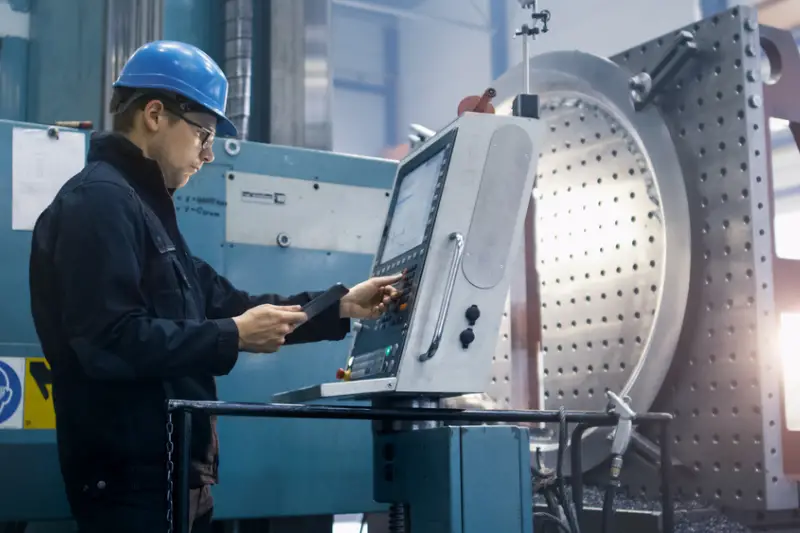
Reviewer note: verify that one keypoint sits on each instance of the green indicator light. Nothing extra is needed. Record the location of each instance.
(388, 350)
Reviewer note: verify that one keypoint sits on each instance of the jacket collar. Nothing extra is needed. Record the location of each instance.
(143, 173)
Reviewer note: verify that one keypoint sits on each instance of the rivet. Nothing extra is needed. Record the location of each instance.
(749, 25)
(750, 51)
(754, 101)
(751, 76)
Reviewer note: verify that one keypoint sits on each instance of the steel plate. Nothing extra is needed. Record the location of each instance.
(613, 238)
(725, 388)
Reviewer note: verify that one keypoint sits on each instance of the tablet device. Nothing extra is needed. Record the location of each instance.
(325, 300)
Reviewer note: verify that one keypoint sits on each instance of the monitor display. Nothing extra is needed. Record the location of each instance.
(410, 217)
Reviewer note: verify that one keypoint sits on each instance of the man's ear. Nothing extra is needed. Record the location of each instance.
(152, 115)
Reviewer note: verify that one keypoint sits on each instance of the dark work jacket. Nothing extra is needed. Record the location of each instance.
(125, 313)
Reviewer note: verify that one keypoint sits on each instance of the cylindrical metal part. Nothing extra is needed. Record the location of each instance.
(239, 62)
(129, 25)
(526, 68)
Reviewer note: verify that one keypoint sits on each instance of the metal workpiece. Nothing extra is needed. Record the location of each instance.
(654, 249)
(612, 254)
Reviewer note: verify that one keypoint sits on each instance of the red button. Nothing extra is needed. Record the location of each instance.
(340, 374)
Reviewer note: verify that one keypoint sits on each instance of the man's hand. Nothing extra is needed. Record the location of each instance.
(263, 329)
(370, 298)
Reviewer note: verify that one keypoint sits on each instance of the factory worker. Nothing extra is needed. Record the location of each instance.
(127, 316)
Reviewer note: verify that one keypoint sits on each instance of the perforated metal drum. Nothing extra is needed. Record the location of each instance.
(684, 320)
(613, 239)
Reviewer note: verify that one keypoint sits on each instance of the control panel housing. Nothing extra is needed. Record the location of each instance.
(454, 226)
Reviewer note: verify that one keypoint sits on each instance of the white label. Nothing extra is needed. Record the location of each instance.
(297, 213)
(40, 165)
(12, 392)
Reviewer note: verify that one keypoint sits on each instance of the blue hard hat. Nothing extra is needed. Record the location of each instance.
(182, 69)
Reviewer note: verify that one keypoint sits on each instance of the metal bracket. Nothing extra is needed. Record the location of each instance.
(646, 86)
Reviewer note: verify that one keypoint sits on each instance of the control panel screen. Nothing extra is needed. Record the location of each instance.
(410, 216)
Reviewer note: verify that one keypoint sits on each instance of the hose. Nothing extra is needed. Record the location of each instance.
(553, 519)
(611, 491)
(608, 508)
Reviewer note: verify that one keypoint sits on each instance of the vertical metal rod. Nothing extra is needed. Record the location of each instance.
(526, 67)
(667, 505)
(184, 460)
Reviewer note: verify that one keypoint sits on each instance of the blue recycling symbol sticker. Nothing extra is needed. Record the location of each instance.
(10, 392)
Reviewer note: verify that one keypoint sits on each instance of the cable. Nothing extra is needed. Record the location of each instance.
(553, 519)
(569, 509)
(608, 508)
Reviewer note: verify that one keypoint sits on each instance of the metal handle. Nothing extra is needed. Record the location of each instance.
(448, 294)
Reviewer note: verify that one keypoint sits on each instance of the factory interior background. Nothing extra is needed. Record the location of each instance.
(346, 76)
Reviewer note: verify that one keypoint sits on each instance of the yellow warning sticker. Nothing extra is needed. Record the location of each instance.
(38, 409)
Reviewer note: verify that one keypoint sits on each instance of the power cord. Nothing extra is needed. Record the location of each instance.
(553, 486)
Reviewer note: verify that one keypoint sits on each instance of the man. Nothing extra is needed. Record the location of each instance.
(128, 317)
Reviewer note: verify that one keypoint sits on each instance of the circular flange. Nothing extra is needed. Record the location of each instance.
(613, 239)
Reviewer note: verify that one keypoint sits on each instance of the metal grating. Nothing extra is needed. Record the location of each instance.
(724, 385)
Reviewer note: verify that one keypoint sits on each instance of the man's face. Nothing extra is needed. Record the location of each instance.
(181, 143)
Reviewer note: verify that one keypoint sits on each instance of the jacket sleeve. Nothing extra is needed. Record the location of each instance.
(224, 300)
(98, 256)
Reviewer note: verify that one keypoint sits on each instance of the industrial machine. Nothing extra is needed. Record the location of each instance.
(285, 252)
(454, 226)
(646, 267)
(655, 266)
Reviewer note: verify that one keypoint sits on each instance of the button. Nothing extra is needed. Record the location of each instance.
(347, 375)
(466, 337)
(340, 373)
(403, 306)
(472, 314)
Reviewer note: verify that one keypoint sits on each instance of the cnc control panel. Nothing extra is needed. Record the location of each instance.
(453, 227)
(404, 245)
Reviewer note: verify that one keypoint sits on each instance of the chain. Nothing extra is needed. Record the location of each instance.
(170, 471)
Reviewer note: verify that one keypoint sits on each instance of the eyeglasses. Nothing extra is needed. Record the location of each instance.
(206, 135)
